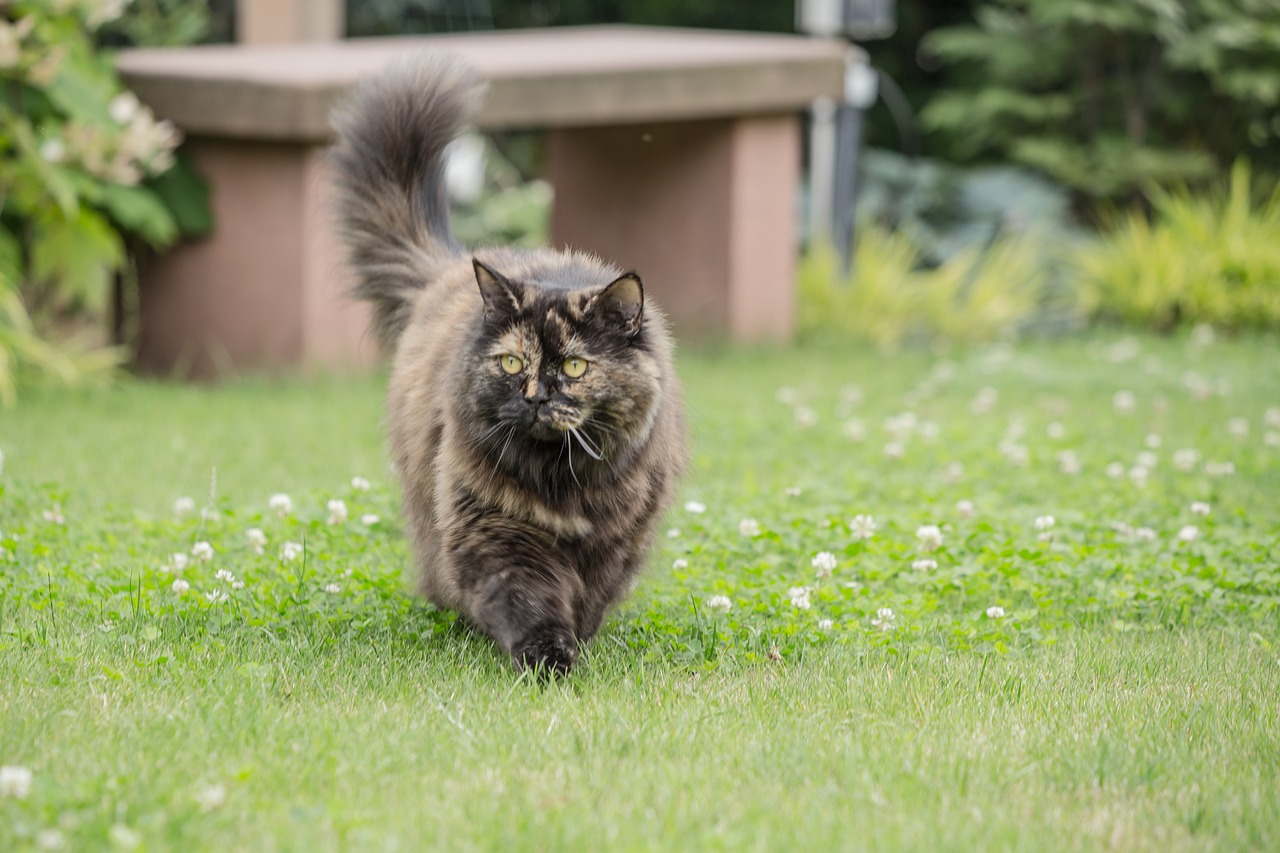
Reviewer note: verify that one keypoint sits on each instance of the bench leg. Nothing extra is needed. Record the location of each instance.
(705, 211)
(264, 291)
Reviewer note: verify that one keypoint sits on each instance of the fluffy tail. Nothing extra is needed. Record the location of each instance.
(390, 175)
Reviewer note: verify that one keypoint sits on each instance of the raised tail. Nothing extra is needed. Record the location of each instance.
(389, 166)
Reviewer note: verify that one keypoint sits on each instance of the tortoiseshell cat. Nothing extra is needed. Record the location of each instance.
(535, 417)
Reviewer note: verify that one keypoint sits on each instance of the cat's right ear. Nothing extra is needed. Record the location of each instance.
(500, 296)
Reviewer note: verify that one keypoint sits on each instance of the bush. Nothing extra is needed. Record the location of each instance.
(1112, 96)
(80, 167)
(891, 299)
(1210, 259)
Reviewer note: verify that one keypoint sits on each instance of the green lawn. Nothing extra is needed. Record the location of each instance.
(1106, 680)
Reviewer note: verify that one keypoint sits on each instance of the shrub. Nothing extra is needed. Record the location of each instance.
(890, 299)
(1112, 96)
(1213, 258)
(80, 167)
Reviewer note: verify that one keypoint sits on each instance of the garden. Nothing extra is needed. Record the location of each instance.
(989, 558)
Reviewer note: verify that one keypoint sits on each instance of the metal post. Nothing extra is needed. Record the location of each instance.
(859, 94)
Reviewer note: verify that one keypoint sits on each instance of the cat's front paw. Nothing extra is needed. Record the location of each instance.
(548, 652)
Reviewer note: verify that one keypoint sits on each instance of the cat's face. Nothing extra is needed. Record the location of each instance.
(558, 365)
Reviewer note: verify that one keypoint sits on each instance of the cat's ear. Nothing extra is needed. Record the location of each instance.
(500, 295)
(621, 302)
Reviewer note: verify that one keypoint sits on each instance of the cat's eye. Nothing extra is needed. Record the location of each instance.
(511, 364)
(574, 367)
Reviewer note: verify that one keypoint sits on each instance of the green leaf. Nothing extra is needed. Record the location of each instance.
(10, 261)
(186, 196)
(81, 254)
(141, 210)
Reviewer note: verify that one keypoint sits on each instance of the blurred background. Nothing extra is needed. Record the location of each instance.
(1023, 167)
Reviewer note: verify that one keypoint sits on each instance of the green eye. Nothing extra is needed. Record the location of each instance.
(511, 364)
(574, 367)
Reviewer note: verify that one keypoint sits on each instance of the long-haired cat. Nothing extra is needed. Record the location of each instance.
(535, 418)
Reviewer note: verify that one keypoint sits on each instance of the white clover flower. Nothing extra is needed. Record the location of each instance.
(965, 509)
(1147, 459)
(123, 107)
(216, 596)
(718, 602)
(862, 527)
(179, 562)
(225, 576)
(1186, 459)
(50, 839)
(1219, 469)
(237, 584)
(930, 536)
(281, 504)
(984, 401)
(54, 515)
(123, 838)
(1121, 529)
(1190, 533)
(1145, 534)
(695, 507)
(1044, 522)
(995, 611)
(1124, 401)
(333, 589)
(1271, 417)
(1202, 335)
(825, 563)
(799, 596)
(1153, 441)
(202, 551)
(1115, 470)
(788, 396)
(805, 417)
(749, 527)
(290, 552)
(257, 539)
(15, 781)
(680, 563)
(1055, 430)
(184, 506)
(851, 394)
(211, 797)
(954, 472)
(1271, 438)
(180, 586)
(1138, 475)
(1199, 508)
(337, 511)
(673, 533)
(370, 519)
(883, 619)
(53, 150)
(929, 430)
(854, 430)
(792, 491)
(1238, 427)
(1069, 463)
(924, 565)
(360, 484)
(894, 450)
(825, 624)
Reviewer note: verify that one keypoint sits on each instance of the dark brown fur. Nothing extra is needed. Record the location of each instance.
(514, 520)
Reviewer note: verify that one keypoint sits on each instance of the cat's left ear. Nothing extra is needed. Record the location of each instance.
(500, 295)
(622, 302)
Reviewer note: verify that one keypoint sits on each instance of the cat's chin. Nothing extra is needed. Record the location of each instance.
(544, 431)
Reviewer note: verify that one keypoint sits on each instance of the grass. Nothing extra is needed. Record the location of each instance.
(1125, 698)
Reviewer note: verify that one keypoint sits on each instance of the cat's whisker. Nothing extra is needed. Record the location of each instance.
(587, 445)
(571, 471)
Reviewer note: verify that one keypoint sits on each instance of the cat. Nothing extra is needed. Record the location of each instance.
(534, 414)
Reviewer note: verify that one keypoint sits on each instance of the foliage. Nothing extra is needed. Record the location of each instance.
(1211, 259)
(76, 154)
(160, 23)
(506, 209)
(945, 208)
(890, 298)
(1112, 97)
(1125, 698)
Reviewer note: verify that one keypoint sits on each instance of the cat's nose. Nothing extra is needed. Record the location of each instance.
(536, 394)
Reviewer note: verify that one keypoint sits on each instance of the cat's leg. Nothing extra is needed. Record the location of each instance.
(609, 582)
(520, 591)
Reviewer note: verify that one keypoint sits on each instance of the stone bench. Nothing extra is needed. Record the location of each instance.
(673, 152)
